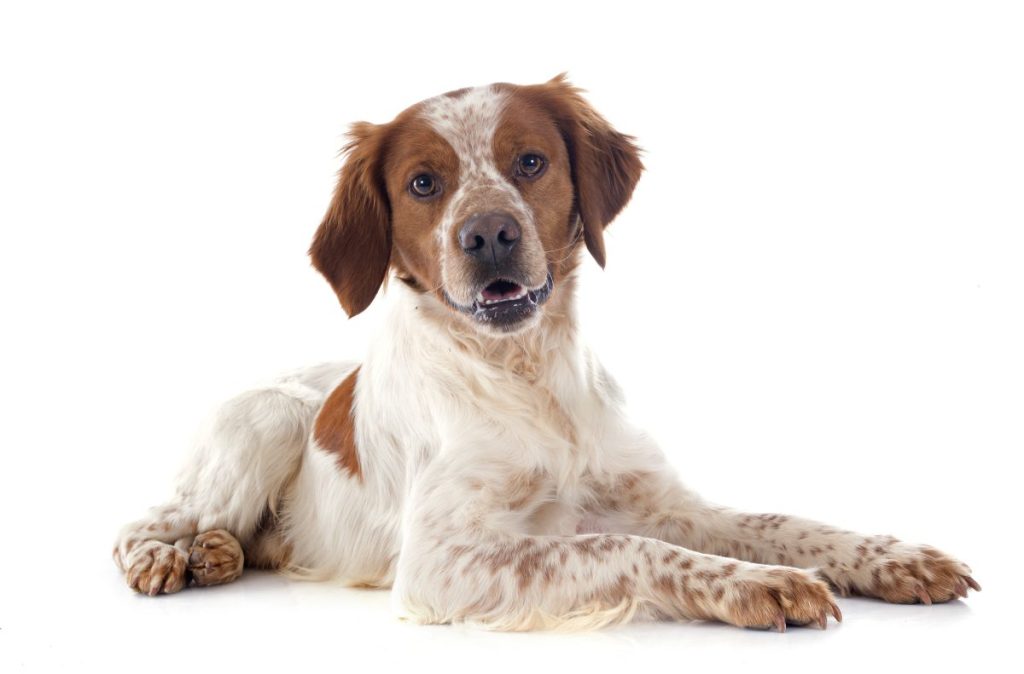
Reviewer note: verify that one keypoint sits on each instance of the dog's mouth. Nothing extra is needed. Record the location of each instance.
(505, 303)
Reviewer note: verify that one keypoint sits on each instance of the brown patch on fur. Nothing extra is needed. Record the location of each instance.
(352, 246)
(622, 589)
(529, 564)
(605, 164)
(334, 429)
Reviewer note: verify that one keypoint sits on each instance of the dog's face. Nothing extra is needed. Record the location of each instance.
(480, 197)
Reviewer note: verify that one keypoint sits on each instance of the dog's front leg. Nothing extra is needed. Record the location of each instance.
(652, 503)
(465, 557)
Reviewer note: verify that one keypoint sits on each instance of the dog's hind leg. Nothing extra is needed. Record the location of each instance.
(226, 496)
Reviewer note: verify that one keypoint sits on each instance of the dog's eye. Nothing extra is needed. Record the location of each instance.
(423, 185)
(530, 165)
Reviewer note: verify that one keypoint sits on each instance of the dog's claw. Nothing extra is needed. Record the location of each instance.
(973, 583)
(923, 595)
(836, 613)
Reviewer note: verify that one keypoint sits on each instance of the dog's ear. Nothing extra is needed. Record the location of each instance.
(352, 246)
(605, 163)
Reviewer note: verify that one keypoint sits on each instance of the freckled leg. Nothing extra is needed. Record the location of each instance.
(456, 565)
(878, 566)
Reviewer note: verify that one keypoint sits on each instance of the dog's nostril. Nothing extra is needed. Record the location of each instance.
(489, 236)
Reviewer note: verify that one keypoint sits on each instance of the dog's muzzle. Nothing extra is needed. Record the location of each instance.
(504, 303)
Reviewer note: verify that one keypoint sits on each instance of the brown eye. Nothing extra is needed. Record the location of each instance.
(530, 165)
(423, 185)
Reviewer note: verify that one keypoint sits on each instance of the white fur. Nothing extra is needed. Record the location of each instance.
(500, 482)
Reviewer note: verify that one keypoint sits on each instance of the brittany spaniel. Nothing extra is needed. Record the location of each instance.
(478, 459)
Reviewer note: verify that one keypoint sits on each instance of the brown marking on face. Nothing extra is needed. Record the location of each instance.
(334, 429)
(527, 127)
(375, 223)
(415, 148)
(605, 164)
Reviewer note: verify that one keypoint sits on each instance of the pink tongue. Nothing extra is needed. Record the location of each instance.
(500, 290)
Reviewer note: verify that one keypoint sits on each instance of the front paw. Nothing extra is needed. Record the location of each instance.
(774, 596)
(906, 574)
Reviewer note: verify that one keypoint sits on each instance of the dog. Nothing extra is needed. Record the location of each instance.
(478, 460)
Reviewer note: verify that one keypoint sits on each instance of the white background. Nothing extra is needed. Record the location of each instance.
(814, 300)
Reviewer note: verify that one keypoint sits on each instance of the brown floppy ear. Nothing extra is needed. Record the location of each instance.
(352, 246)
(605, 163)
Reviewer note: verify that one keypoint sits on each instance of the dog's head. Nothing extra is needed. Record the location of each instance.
(480, 197)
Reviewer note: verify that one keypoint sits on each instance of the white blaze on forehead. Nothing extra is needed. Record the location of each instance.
(467, 122)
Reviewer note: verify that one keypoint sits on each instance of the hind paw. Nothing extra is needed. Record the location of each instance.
(156, 568)
(215, 558)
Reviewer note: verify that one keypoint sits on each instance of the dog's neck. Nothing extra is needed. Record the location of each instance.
(530, 353)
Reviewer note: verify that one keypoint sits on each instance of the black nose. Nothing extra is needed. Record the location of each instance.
(489, 237)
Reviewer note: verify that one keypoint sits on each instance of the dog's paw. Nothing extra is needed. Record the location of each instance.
(156, 568)
(214, 558)
(907, 574)
(776, 596)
